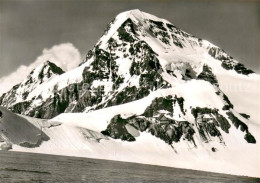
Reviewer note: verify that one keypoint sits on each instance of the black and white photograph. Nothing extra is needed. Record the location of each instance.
(129, 91)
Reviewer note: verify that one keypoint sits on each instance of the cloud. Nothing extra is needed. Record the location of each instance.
(65, 55)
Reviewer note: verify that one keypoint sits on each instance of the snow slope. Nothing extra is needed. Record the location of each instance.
(79, 135)
(15, 129)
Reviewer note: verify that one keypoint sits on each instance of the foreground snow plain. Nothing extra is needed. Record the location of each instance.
(79, 135)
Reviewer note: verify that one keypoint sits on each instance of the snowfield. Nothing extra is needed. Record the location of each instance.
(79, 135)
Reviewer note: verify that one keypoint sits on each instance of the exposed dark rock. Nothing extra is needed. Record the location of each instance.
(227, 65)
(188, 131)
(1, 98)
(159, 104)
(237, 123)
(241, 69)
(9, 97)
(128, 94)
(140, 123)
(223, 122)
(212, 130)
(250, 138)
(207, 75)
(180, 101)
(213, 149)
(218, 53)
(25, 95)
(117, 130)
(160, 126)
(208, 126)
(147, 60)
(177, 42)
(51, 68)
(243, 127)
(227, 62)
(158, 30)
(125, 35)
(189, 73)
(245, 115)
(20, 107)
(50, 108)
(170, 26)
(169, 131)
(89, 55)
(198, 110)
(238, 67)
(228, 105)
(100, 67)
(159, 24)
(178, 37)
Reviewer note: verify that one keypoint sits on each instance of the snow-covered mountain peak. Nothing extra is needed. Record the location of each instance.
(143, 26)
(43, 72)
(137, 16)
(171, 44)
(38, 76)
(147, 76)
(138, 52)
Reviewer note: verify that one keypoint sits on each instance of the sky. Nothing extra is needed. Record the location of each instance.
(31, 30)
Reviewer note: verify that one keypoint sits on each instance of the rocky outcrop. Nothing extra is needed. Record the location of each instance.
(228, 62)
(117, 129)
(207, 75)
(154, 121)
(158, 119)
(242, 126)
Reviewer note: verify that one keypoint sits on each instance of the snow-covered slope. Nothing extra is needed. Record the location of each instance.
(78, 134)
(15, 129)
(148, 84)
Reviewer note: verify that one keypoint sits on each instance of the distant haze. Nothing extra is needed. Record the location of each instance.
(27, 27)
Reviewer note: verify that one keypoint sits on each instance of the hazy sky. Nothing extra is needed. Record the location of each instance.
(29, 26)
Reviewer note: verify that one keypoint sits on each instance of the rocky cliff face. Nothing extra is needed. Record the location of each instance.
(140, 54)
(160, 120)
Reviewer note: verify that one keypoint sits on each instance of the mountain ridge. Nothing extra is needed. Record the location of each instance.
(177, 39)
(124, 67)
(145, 80)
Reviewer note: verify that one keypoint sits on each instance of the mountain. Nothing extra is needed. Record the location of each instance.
(137, 54)
(19, 97)
(148, 82)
